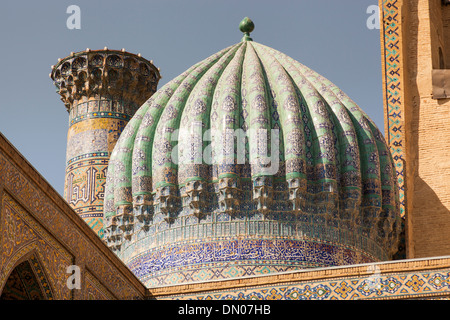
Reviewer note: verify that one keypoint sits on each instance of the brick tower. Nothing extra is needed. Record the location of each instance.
(102, 90)
(415, 38)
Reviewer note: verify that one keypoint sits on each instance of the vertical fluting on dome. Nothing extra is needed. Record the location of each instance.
(249, 162)
(366, 169)
(227, 163)
(142, 177)
(256, 94)
(194, 125)
(101, 89)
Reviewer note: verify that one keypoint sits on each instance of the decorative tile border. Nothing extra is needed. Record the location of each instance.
(93, 115)
(401, 285)
(393, 88)
(393, 96)
(219, 259)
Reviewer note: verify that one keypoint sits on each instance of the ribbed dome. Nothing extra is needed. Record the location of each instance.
(190, 195)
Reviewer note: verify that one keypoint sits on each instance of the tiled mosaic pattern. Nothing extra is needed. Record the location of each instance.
(90, 142)
(232, 258)
(27, 282)
(22, 236)
(427, 284)
(335, 179)
(94, 290)
(393, 89)
(33, 223)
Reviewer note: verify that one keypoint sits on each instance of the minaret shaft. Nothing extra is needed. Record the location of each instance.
(101, 90)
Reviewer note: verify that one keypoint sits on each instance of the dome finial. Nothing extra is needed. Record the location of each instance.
(246, 26)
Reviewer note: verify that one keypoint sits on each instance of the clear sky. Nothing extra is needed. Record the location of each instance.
(329, 36)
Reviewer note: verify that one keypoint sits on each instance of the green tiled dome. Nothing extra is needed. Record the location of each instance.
(191, 197)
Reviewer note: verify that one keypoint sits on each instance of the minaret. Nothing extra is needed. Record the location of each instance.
(102, 90)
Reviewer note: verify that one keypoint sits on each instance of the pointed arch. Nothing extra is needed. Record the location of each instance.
(27, 280)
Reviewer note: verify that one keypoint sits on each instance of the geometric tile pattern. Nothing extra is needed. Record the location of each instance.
(392, 50)
(377, 286)
(40, 275)
(392, 73)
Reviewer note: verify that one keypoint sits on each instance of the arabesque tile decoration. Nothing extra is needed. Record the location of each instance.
(33, 223)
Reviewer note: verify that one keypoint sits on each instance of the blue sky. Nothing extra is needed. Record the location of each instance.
(329, 36)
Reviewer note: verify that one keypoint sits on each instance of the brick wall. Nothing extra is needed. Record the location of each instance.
(426, 129)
